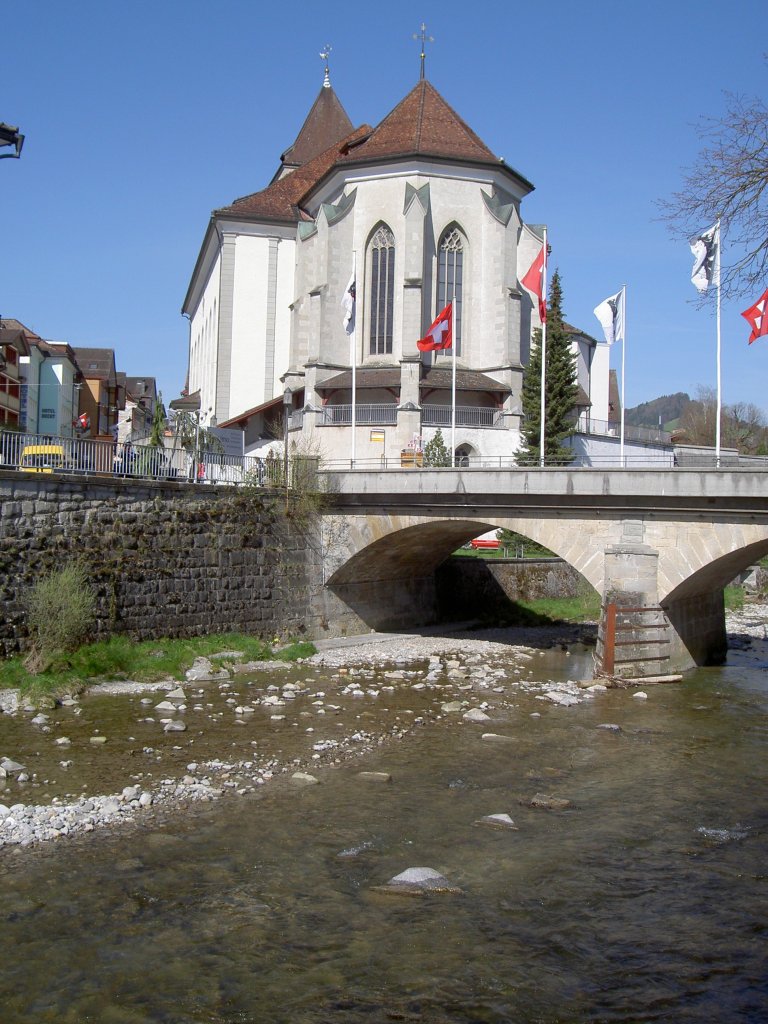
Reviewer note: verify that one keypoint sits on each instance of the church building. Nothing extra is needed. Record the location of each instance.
(404, 218)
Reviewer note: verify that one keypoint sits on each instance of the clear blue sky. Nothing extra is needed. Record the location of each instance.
(143, 116)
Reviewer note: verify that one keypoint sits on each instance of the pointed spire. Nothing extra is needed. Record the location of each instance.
(424, 40)
(327, 122)
(325, 54)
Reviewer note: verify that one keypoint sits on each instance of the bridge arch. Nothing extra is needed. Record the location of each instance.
(381, 564)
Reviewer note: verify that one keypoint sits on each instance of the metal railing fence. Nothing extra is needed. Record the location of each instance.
(86, 457)
(612, 428)
(466, 416)
(46, 453)
(379, 414)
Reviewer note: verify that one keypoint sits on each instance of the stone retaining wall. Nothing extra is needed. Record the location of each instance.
(165, 559)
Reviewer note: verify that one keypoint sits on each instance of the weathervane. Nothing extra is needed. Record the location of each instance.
(424, 40)
(325, 54)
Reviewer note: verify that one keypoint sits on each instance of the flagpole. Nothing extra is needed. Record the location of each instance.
(543, 353)
(353, 360)
(453, 372)
(719, 391)
(623, 364)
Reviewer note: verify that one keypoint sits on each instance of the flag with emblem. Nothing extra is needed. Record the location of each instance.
(534, 281)
(610, 313)
(706, 255)
(440, 334)
(757, 318)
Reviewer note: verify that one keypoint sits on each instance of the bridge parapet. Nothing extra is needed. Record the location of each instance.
(664, 540)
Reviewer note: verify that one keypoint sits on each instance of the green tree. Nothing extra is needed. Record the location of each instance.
(560, 389)
(157, 430)
(435, 452)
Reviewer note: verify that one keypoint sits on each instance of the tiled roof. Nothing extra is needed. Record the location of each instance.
(96, 363)
(8, 323)
(15, 338)
(424, 124)
(439, 377)
(372, 377)
(139, 387)
(281, 199)
(327, 123)
(433, 377)
(272, 403)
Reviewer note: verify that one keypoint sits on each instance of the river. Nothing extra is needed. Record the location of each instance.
(642, 899)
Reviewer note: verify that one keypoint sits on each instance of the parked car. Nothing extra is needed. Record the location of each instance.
(44, 458)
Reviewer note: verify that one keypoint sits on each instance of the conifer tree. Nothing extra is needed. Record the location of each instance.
(560, 389)
(435, 452)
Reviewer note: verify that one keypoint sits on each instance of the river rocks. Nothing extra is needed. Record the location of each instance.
(165, 705)
(375, 776)
(476, 715)
(248, 667)
(494, 737)
(11, 767)
(547, 802)
(203, 671)
(452, 707)
(418, 882)
(175, 726)
(305, 779)
(97, 741)
(501, 821)
(567, 700)
(640, 695)
(9, 702)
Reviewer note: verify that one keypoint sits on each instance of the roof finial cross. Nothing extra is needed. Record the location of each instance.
(424, 40)
(325, 54)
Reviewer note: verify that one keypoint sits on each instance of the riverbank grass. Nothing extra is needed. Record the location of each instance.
(147, 661)
(583, 608)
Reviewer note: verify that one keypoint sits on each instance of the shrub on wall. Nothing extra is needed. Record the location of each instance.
(60, 610)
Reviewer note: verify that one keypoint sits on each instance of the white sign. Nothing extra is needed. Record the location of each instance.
(231, 441)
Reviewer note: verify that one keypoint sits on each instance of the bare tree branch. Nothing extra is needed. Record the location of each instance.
(729, 181)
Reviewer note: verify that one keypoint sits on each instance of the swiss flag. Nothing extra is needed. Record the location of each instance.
(757, 317)
(534, 282)
(440, 334)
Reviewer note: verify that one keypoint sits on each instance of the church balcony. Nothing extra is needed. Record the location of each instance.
(466, 416)
(380, 414)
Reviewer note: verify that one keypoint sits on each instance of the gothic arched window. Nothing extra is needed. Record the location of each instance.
(450, 278)
(382, 263)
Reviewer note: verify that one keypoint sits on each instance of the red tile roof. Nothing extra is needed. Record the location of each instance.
(326, 123)
(281, 199)
(424, 124)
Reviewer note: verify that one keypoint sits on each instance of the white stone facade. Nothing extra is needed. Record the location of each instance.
(265, 307)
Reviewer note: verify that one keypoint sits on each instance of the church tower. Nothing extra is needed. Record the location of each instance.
(419, 212)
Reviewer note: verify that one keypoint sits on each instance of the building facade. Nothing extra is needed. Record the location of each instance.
(416, 213)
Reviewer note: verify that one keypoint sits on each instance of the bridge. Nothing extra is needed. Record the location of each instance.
(659, 546)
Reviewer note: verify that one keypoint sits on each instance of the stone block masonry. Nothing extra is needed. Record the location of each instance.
(165, 559)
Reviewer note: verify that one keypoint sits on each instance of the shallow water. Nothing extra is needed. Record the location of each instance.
(644, 900)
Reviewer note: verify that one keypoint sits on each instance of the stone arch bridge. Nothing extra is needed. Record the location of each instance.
(657, 545)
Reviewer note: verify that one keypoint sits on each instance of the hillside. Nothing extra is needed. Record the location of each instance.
(665, 410)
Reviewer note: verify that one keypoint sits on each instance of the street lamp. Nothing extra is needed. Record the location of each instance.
(10, 136)
(287, 403)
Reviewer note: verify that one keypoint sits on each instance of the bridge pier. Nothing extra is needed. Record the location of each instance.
(643, 639)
